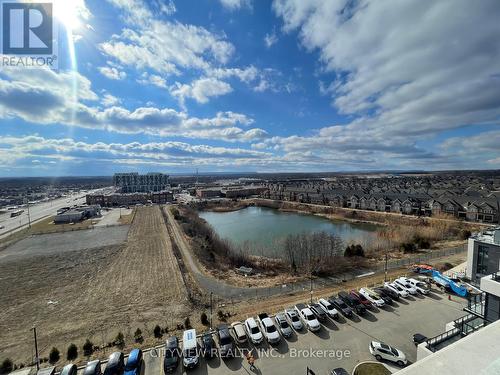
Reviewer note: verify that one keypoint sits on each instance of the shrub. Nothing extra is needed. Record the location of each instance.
(7, 366)
(138, 335)
(120, 340)
(422, 243)
(187, 323)
(157, 332)
(221, 315)
(354, 251)
(465, 234)
(204, 319)
(88, 348)
(72, 352)
(54, 355)
(408, 247)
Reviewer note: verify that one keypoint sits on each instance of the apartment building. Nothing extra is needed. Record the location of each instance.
(483, 254)
(136, 183)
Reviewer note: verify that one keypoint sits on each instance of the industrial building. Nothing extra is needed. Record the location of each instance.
(76, 214)
(136, 183)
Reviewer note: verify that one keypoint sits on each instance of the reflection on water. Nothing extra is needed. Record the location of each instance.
(260, 230)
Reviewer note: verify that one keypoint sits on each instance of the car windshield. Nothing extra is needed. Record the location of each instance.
(294, 318)
(271, 329)
(225, 340)
(310, 317)
(254, 330)
(190, 352)
(171, 353)
(284, 324)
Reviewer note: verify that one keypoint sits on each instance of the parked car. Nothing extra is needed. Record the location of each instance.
(318, 311)
(226, 348)
(419, 285)
(253, 331)
(268, 328)
(134, 362)
(371, 296)
(385, 296)
(341, 306)
(207, 345)
(190, 358)
(362, 299)
(172, 354)
(402, 282)
(339, 371)
(283, 325)
(294, 319)
(69, 369)
(383, 290)
(239, 332)
(93, 368)
(383, 351)
(397, 288)
(115, 365)
(330, 310)
(308, 317)
(418, 338)
(352, 302)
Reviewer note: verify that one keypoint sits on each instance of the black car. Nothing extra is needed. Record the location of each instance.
(171, 360)
(352, 302)
(207, 345)
(339, 371)
(318, 311)
(341, 306)
(418, 338)
(226, 348)
(115, 365)
(385, 297)
(93, 368)
(388, 292)
(70, 369)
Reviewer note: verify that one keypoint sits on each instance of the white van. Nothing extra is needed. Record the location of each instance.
(190, 356)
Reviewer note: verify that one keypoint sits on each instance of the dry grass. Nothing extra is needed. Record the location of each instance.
(95, 293)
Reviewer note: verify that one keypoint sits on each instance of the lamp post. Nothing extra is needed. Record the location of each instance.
(36, 350)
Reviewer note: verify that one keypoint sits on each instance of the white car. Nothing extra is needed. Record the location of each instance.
(294, 319)
(269, 329)
(406, 285)
(329, 309)
(419, 285)
(396, 288)
(383, 351)
(308, 317)
(371, 296)
(253, 331)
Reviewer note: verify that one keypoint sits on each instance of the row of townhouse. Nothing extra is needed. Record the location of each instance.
(481, 209)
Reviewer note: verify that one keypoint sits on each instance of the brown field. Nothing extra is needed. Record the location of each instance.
(94, 293)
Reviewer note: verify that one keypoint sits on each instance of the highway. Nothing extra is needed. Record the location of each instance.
(37, 211)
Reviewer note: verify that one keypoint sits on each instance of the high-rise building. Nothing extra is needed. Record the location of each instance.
(136, 183)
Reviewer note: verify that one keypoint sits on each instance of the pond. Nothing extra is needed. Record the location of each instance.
(263, 228)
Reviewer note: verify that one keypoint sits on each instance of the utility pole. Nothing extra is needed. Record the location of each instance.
(385, 269)
(311, 286)
(211, 310)
(36, 350)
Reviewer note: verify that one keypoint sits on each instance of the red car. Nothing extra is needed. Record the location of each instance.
(362, 299)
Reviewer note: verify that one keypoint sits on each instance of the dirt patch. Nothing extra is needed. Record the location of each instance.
(93, 293)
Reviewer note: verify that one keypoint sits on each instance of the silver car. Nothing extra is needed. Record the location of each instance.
(283, 325)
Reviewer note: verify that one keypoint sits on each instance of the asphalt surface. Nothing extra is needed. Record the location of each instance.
(337, 344)
(37, 212)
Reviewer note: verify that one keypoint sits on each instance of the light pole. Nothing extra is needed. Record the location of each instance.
(36, 350)
(211, 310)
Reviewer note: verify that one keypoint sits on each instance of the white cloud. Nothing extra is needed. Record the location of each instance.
(112, 73)
(270, 39)
(109, 100)
(200, 90)
(152, 79)
(236, 4)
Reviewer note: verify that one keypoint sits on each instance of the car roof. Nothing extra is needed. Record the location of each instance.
(251, 321)
(115, 358)
(133, 356)
(280, 316)
(172, 342)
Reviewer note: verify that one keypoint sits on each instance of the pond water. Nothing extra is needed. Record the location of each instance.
(263, 228)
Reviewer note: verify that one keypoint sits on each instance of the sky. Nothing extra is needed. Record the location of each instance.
(258, 86)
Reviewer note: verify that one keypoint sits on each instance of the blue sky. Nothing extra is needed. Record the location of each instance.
(267, 86)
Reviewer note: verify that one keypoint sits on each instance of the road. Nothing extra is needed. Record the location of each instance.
(344, 343)
(37, 211)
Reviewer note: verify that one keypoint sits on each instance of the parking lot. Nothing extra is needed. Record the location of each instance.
(342, 343)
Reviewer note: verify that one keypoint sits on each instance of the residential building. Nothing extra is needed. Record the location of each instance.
(483, 254)
(126, 199)
(134, 182)
(212, 192)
